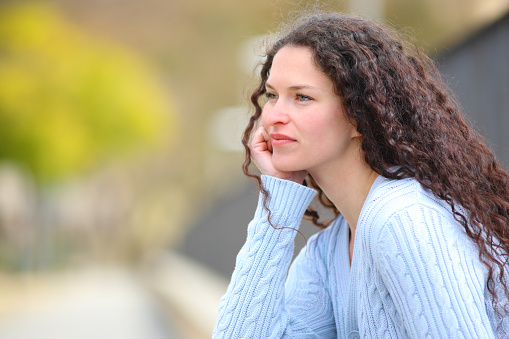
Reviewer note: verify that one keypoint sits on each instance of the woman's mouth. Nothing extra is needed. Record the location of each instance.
(281, 139)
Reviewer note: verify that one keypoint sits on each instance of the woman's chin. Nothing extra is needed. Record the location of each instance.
(286, 167)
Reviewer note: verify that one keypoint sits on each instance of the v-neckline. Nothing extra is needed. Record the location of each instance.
(379, 179)
(350, 311)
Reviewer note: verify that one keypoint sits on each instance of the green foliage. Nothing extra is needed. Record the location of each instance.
(69, 101)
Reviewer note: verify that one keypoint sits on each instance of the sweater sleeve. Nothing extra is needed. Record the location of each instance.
(255, 304)
(433, 276)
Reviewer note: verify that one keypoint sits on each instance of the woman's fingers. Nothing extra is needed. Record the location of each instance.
(261, 151)
(261, 154)
(259, 142)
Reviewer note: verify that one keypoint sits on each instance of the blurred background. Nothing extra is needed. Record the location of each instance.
(122, 200)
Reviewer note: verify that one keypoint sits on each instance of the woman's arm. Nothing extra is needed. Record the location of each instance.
(256, 304)
(433, 275)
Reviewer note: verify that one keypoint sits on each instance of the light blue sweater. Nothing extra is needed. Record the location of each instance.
(414, 274)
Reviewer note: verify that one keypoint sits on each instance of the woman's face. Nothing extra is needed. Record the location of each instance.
(304, 117)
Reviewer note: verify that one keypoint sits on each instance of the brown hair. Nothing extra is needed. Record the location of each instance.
(407, 117)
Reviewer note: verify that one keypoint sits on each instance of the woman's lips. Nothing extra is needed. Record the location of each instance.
(280, 139)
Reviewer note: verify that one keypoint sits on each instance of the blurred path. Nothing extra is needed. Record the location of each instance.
(191, 290)
(83, 305)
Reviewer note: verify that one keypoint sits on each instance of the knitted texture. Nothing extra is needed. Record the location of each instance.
(414, 274)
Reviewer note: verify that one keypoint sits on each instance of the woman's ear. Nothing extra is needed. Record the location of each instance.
(355, 133)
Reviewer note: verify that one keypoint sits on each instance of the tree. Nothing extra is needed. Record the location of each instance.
(69, 101)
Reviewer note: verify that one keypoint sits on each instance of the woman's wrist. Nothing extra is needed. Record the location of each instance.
(287, 199)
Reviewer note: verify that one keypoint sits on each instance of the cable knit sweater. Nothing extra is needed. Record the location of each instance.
(414, 273)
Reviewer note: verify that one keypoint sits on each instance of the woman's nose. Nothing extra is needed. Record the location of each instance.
(276, 114)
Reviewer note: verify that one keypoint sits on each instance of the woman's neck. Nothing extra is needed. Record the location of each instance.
(347, 187)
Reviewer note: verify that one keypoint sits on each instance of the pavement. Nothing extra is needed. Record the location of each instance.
(109, 303)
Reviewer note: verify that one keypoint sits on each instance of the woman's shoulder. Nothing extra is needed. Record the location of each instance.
(388, 198)
(327, 243)
(404, 211)
(329, 236)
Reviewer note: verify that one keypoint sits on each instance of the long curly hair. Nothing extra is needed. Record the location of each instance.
(407, 117)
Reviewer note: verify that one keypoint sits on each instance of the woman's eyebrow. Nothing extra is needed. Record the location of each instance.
(294, 87)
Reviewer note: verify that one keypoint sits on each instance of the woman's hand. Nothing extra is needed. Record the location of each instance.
(261, 154)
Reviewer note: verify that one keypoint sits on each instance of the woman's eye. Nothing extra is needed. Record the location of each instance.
(270, 95)
(302, 97)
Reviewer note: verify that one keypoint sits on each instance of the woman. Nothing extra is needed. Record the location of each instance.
(419, 247)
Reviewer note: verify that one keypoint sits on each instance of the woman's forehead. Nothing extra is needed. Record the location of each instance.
(294, 67)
